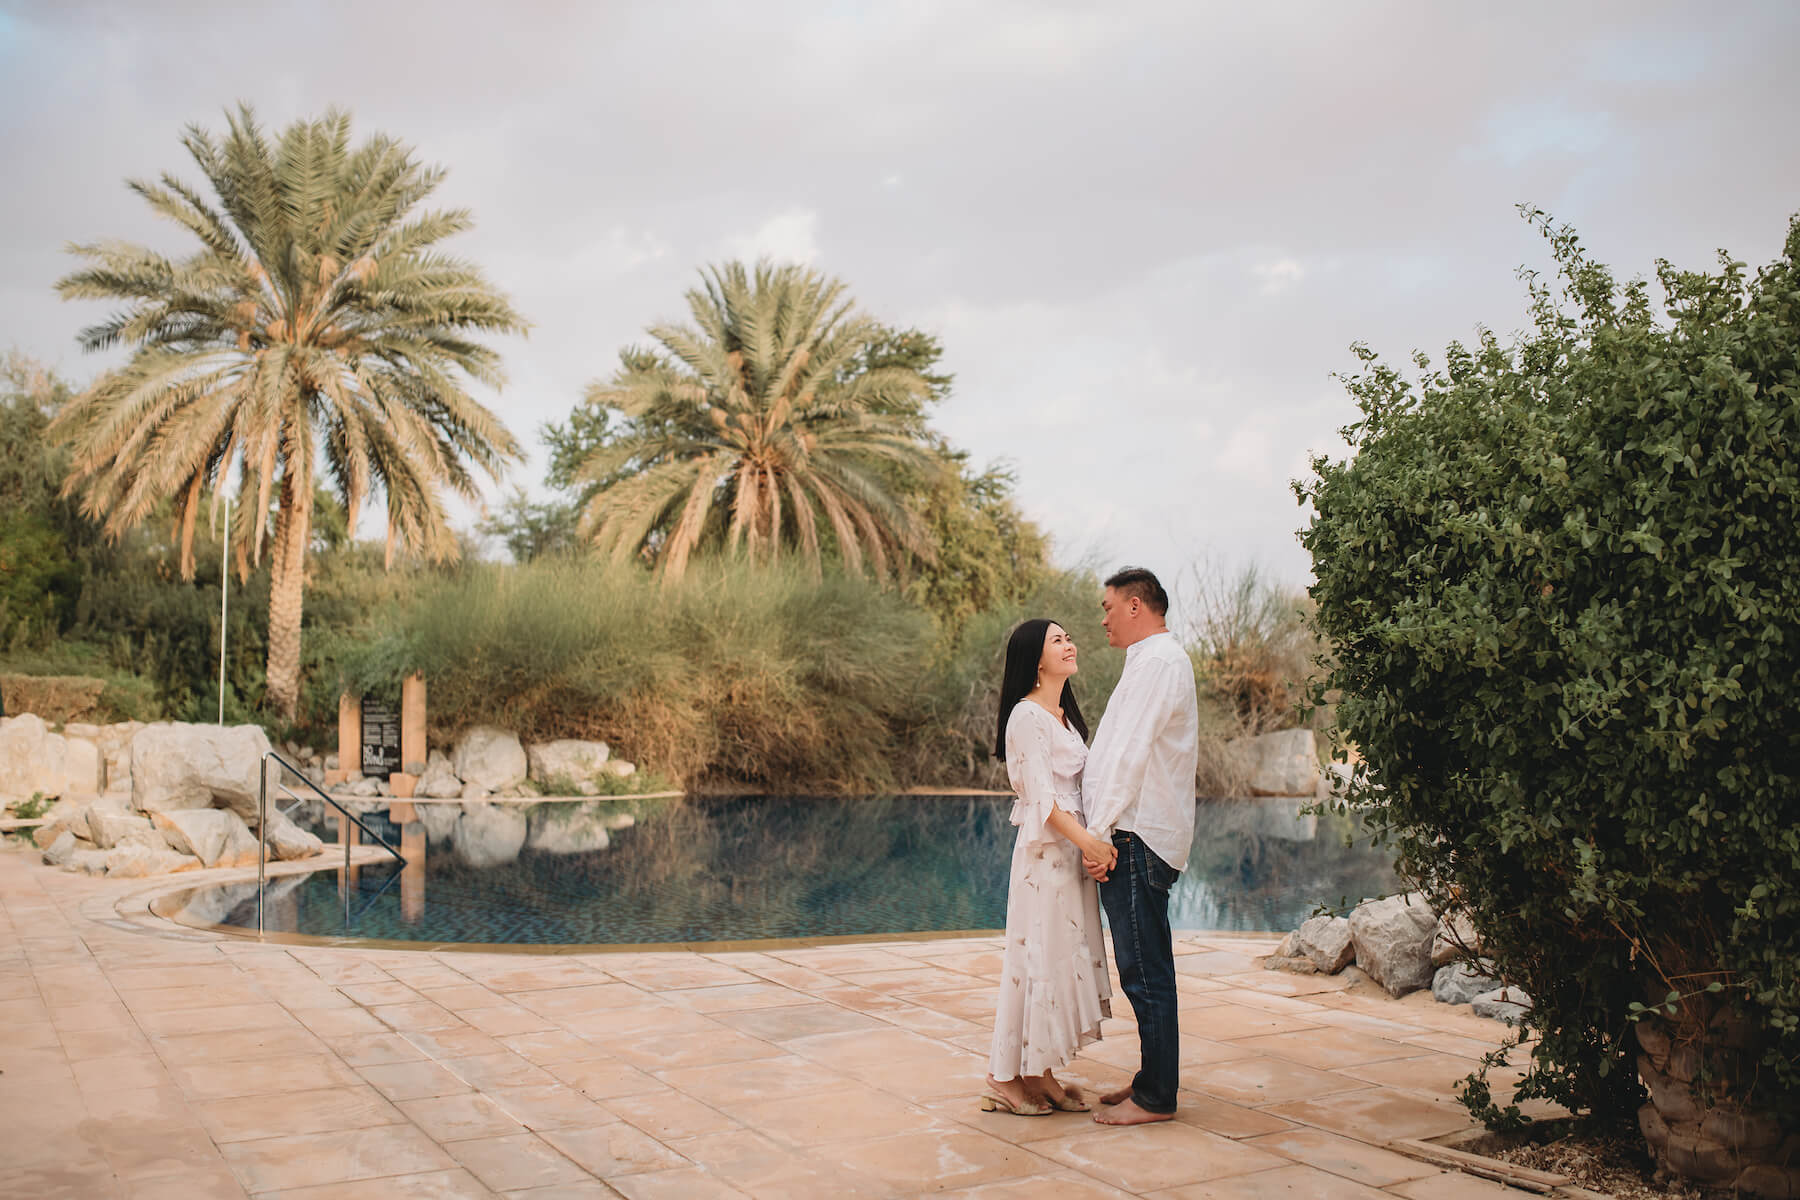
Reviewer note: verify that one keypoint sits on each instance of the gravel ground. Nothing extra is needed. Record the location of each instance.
(1610, 1161)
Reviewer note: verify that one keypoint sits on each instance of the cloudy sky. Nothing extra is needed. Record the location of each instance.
(1146, 232)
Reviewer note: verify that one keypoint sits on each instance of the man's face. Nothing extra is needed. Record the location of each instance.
(1119, 617)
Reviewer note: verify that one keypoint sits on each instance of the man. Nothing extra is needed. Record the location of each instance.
(1139, 795)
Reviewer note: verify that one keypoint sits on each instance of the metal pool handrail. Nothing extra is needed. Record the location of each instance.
(262, 826)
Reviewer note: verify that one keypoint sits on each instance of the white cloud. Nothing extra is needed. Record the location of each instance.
(1279, 275)
(789, 236)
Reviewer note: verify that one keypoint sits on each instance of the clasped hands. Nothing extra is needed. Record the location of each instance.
(1099, 868)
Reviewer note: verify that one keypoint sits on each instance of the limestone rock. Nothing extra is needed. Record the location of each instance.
(89, 862)
(490, 834)
(115, 747)
(1325, 941)
(136, 860)
(1285, 763)
(368, 786)
(217, 837)
(108, 829)
(61, 850)
(566, 828)
(82, 768)
(618, 768)
(111, 802)
(288, 841)
(1294, 964)
(474, 791)
(22, 744)
(1393, 942)
(620, 820)
(175, 766)
(1502, 1004)
(490, 757)
(1454, 932)
(1459, 983)
(63, 815)
(438, 781)
(567, 762)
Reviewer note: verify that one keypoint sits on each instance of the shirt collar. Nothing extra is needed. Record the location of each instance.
(1131, 650)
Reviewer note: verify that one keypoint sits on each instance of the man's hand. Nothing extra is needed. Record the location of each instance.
(1099, 869)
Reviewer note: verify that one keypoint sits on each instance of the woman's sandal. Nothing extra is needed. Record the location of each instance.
(994, 1102)
(1073, 1100)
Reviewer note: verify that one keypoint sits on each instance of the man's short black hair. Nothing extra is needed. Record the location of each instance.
(1139, 582)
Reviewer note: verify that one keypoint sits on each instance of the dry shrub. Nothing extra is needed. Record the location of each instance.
(1253, 648)
(55, 698)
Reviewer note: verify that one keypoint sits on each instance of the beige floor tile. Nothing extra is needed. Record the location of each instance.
(1064, 1185)
(604, 1079)
(1261, 1080)
(582, 1189)
(1225, 1022)
(549, 1047)
(972, 1004)
(370, 1049)
(919, 1018)
(63, 1179)
(669, 1114)
(1225, 1118)
(935, 1160)
(520, 1160)
(79, 1018)
(1145, 1158)
(455, 1184)
(1284, 1183)
(736, 997)
(617, 1149)
(247, 1118)
(615, 1027)
(685, 1183)
(220, 1080)
(1344, 1156)
(82, 1045)
(537, 976)
(504, 1069)
(144, 1146)
(422, 1014)
(578, 999)
(37, 1035)
(1453, 1185)
(694, 973)
(729, 1085)
(555, 1106)
(126, 1071)
(836, 960)
(386, 992)
(1327, 1049)
(412, 1080)
(306, 1160)
(454, 1118)
(1437, 1073)
(213, 1182)
(338, 1022)
(464, 994)
(289, 1042)
(503, 1019)
(218, 975)
(716, 1045)
(835, 1116)
(1377, 1114)
(179, 999)
(797, 1021)
(461, 1042)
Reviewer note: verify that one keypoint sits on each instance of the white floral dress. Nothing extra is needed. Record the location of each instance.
(1053, 986)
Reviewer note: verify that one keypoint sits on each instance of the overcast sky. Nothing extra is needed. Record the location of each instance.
(1146, 232)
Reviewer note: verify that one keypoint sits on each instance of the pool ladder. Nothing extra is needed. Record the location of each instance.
(262, 829)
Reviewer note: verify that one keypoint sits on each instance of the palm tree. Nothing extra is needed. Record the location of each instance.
(752, 424)
(314, 334)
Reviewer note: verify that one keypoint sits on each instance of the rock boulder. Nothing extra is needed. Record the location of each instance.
(567, 763)
(1507, 1004)
(490, 834)
(1455, 934)
(1460, 983)
(1325, 942)
(22, 753)
(177, 766)
(1285, 763)
(1393, 942)
(217, 837)
(566, 828)
(109, 829)
(439, 781)
(490, 757)
(287, 841)
(137, 860)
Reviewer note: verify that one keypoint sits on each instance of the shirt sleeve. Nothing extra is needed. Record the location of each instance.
(1028, 770)
(1154, 696)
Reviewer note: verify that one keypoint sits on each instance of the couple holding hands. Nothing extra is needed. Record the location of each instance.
(1119, 814)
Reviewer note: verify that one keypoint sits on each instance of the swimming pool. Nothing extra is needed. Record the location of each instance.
(704, 870)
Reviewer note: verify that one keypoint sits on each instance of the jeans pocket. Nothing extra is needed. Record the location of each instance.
(1159, 874)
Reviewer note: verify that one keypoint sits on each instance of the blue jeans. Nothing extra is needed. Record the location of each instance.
(1136, 899)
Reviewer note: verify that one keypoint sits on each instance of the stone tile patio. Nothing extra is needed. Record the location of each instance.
(138, 1059)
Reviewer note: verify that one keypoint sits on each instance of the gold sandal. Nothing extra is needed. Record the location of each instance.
(993, 1102)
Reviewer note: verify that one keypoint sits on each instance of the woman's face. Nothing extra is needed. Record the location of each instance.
(1058, 661)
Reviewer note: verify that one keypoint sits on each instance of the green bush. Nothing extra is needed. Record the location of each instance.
(1562, 581)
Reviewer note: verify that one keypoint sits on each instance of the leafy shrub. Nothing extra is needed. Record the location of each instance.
(1560, 579)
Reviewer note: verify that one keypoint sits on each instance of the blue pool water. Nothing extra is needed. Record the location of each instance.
(630, 871)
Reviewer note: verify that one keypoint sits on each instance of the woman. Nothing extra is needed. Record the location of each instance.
(1053, 987)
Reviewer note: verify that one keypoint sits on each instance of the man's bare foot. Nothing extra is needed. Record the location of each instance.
(1126, 1112)
(1117, 1097)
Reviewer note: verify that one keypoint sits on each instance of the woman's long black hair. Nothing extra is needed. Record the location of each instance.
(1024, 650)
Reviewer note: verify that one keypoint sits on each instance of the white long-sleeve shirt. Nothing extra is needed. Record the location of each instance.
(1140, 770)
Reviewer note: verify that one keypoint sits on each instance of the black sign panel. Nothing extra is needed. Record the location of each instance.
(380, 738)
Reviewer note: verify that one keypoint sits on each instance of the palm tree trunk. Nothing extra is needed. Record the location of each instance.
(287, 596)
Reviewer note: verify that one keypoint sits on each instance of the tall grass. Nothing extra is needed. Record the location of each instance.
(732, 677)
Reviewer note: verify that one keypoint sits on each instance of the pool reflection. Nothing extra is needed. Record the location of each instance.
(629, 871)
